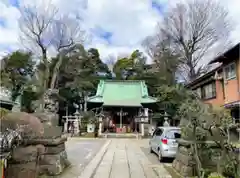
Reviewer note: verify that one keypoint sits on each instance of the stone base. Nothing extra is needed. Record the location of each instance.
(185, 171)
(51, 150)
(54, 164)
(54, 159)
(27, 154)
(25, 170)
(184, 162)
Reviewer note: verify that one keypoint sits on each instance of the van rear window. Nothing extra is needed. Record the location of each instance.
(173, 134)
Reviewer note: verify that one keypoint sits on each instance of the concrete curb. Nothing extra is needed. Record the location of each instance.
(91, 167)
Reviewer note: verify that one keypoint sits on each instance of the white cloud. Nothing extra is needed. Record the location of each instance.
(234, 12)
(9, 31)
(129, 21)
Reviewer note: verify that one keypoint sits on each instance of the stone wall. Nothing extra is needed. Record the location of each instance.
(54, 160)
(185, 164)
(41, 149)
(38, 157)
(23, 162)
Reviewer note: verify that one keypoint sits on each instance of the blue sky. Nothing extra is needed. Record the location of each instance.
(115, 27)
(15, 3)
(2, 22)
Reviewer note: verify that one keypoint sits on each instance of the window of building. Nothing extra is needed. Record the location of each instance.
(199, 92)
(209, 91)
(230, 71)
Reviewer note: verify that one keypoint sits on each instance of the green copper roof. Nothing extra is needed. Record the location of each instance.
(122, 93)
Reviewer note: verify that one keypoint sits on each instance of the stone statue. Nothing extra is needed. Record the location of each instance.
(49, 114)
(51, 104)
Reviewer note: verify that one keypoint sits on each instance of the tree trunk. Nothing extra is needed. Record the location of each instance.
(195, 150)
(45, 79)
(56, 71)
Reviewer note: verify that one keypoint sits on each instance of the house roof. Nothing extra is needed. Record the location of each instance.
(204, 78)
(232, 104)
(122, 93)
(231, 54)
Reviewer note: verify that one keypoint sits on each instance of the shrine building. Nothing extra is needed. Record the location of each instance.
(125, 105)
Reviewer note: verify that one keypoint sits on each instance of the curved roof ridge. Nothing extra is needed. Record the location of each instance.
(122, 93)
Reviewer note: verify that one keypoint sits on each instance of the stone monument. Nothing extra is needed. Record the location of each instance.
(55, 157)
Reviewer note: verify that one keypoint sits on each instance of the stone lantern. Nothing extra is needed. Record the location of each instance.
(100, 121)
(166, 119)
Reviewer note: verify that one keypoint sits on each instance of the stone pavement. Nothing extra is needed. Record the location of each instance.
(80, 152)
(122, 158)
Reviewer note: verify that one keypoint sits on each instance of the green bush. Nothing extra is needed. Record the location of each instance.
(89, 118)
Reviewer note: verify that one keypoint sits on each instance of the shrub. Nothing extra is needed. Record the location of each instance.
(201, 122)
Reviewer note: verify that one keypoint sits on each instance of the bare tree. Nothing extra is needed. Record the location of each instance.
(43, 28)
(165, 59)
(194, 28)
(34, 26)
(67, 34)
(150, 45)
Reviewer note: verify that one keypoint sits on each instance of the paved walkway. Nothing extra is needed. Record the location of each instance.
(80, 152)
(122, 158)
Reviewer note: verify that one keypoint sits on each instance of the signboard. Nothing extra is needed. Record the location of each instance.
(137, 119)
(141, 119)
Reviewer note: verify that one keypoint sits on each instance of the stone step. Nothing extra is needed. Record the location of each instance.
(117, 135)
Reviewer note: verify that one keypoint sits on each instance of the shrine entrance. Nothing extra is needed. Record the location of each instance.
(121, 120)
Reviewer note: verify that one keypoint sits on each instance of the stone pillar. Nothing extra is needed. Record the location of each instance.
(146, 113)
(100, 128)
(142, 128)
(66, 125)
(76, 126)
(144, 119)
(77, 122)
